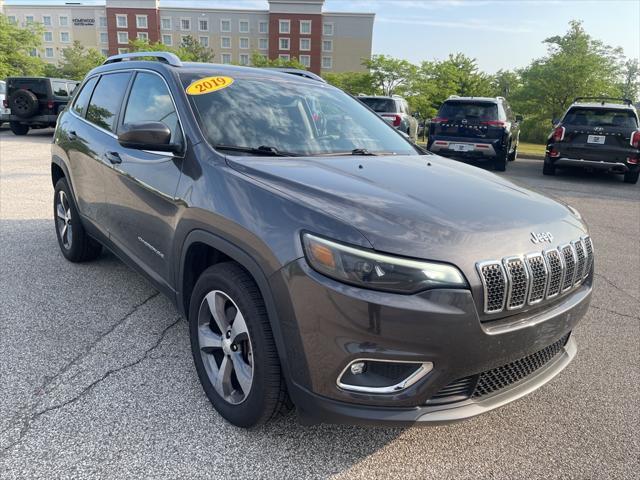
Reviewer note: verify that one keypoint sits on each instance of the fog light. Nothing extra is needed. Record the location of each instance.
(369, 375)
(357, 368)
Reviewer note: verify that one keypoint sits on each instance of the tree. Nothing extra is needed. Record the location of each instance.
(15, 45)
(190, 50)
(389, 74)
(353, 82)
(259, 60)
(76, 62)
(630, 85)
(506, 83)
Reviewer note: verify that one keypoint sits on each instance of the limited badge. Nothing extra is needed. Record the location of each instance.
(208, 85)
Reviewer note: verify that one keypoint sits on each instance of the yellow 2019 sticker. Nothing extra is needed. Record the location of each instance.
(208, 85)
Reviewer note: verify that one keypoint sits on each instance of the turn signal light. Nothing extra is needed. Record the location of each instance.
(558, 134)
(632, 160)
(553, 153)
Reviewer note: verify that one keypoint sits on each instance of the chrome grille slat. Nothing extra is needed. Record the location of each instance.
(517, 281)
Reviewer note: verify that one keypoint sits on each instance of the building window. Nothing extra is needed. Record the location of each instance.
(165, 23)
(48, 36)
(167, 40)
(244, 43)
(64, 37)
(123, 37)
(225, 25)
(305, 27)
(33, 52)
(263, 43)
(63, 21)
(204, 41)
(327, 29)
(143, 36)
(283, 44)
(185, 24)
(225, 42)
(263, 27)
(305, 44)
(102, 21)
(123, 50)
(327, 45)
(48, 52)
(104, 37)
(226, 58)
(121, 21)
(327, 62)
(203, 25)
(243, 26)
(305, 60)
(29, 20)
(46, 20)
(12, 19)
(105, 52)
(141, 21)
(244, 59)
(284, 56)
(285, 26)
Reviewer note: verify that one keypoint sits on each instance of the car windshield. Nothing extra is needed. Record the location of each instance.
(380, 105)
(290, 116)
(600, 117)
(474, 111)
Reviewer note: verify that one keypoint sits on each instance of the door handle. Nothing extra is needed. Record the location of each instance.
(113, 157)
(72, 135)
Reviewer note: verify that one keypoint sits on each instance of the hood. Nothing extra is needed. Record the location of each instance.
(423, 206)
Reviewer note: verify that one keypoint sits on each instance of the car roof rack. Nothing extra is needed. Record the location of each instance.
(299, 73)
(164, 57)
(626, 101)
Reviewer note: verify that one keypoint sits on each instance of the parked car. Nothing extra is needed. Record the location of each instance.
(476, 128)
(598, 134)
(335, 264)
(394, 110)
(3, 109)
(36, 102)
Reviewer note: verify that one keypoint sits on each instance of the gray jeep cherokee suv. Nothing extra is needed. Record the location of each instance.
(317, 254)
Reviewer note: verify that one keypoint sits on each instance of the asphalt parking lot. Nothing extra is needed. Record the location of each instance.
(96, 375)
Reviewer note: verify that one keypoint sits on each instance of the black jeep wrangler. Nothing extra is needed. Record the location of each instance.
(476, 128)
(598, 134)
(35, 102)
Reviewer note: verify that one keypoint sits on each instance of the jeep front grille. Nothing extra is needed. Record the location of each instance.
(527, 280)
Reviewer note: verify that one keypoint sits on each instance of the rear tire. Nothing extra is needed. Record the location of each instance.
(18, 128)
(252, 391)
(500, 162)
(514, 155)
(548, 168)
(631, 177)
(75, 244)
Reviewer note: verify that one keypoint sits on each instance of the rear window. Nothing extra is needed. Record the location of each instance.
(3, 88)
(381, 105)
(60, 89)
(600, 117)
(38, 86)
(469, 111)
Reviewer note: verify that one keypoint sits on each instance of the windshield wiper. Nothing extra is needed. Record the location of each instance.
(264, 150)
(355, 151)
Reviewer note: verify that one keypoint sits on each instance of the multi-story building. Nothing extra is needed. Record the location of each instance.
(322, 41)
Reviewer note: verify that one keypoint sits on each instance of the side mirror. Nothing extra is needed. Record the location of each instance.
(519, 118)
(147, 136)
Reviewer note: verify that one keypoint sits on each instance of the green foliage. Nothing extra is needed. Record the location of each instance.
(76, 62)
(353, 82)
(389, 74)
(261, 61)
(15, 44)
(190, 50)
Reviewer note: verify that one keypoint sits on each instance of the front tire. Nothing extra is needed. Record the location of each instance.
(631, 177)
(233, 347)
(19, 128)
(74, 243)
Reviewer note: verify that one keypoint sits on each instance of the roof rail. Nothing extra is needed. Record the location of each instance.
(454, 96)
(500, 98)
(626, 101)
(299, 73)
(164, 57)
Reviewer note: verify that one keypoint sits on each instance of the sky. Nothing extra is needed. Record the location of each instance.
(500, 34)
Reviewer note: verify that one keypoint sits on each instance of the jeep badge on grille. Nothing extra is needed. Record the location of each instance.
(541, 237)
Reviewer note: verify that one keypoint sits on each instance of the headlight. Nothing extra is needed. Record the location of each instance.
(369, 269)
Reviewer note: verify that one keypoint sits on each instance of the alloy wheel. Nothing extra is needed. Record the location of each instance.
(225, 347)
(63, 219)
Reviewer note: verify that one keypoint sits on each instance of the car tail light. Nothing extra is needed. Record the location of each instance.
(553, 153)
(482, 145)
(50, 105)
(493, 123)
(393, 118)
(558, 134)
(635, 139)
(439, 120)
(440, 142)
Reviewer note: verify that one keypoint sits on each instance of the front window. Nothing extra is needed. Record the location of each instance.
(167, 40)
(63, 21)
(203, 25)
(327, 45)
(64, 37)
(225, 25)
(305, 27)
(46, 20)
(305, 60)
(305, 44)
(165, 23)
(244, 26)
(141, 21)
(204, 41)
(327, 29)
(48, 52)
(600, 117)
(327, 62)
(185, 24)
(292, 117)
(284, 44)
(244, 59)
(244, 43)
(264, 27)
(121, 21)
(104, 37)
(225, 42)
(143, 36)
(123, 37)
(263, 44)
(103, 22)
(226, 58)
(285, 26)
(48, 36)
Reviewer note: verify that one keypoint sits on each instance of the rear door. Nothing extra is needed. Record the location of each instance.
(140, 190)
(468, 120)
(598, 133)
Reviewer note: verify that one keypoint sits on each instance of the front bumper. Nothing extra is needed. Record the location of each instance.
(327, 325)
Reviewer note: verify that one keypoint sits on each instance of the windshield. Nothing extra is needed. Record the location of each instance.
(380, 105)
(291, 116)
(475, 111)
(600, 117)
